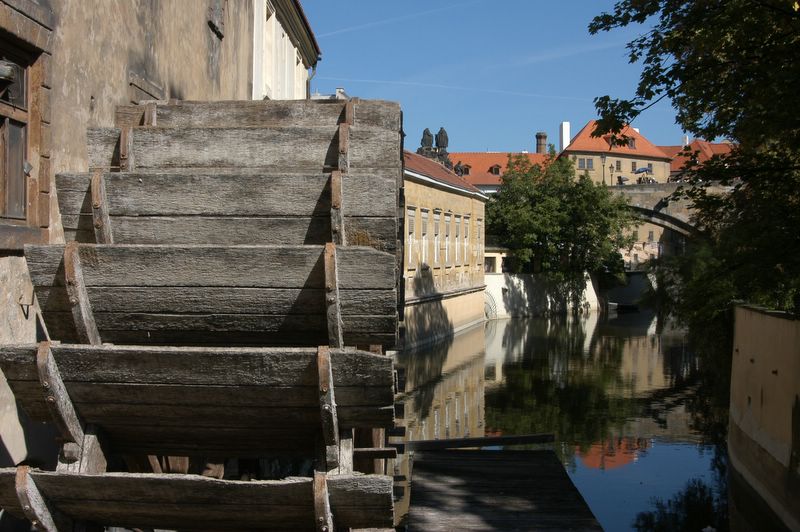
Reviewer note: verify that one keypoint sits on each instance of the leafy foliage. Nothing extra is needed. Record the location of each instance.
(730, 69)
(557, 224)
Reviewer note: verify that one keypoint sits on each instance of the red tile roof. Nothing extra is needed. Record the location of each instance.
(705, 150)
(481, 162)
(432, 169)
(585, 142)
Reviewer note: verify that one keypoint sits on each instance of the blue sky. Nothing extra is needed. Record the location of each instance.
(492, 72)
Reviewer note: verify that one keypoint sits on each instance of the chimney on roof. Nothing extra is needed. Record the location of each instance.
(686, 140)
(636, 129)
(541, 142)
(564, 138)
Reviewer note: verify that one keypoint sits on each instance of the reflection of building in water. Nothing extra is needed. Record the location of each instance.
(443, 395)
(613, 452)
(444, 388)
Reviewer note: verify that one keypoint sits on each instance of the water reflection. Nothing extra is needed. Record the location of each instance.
(621, 395)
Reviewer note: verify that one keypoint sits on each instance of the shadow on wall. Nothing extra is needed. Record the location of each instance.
(531, 295)
(426, 320)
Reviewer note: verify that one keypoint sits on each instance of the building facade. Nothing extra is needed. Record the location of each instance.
(611, 163)
(701, 150)
(65, 65)
(443, 252)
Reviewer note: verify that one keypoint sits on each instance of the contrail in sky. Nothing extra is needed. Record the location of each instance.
(454, 87)
(396, 19)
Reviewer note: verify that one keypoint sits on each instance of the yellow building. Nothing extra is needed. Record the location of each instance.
(637, 160)
(443, 252)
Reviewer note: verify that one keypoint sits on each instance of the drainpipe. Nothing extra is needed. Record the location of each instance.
(308, 81)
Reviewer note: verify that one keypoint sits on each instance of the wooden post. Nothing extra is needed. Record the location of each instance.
(344, 147)
(327, 408)
(126, 149)
(149, 115)
(56, 397)
(332, 305)
(35, 507)
(85, 326)
(323, 519)
(337, 219)
(100, 218)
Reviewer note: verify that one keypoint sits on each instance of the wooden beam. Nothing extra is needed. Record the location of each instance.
(332, 301)
(150, 114)
(345, 453)
(56, 396)
(349, 111)
(344, 147)
(35, 506)
(85, 327)
(100, 217)
(323, 519)
(327, 406)
(338, 236)
(375, 453)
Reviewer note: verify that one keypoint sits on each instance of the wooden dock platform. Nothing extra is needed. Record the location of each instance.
(495, 490)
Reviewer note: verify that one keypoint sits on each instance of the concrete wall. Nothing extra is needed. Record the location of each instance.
(764, 429)
(437, 317)
(516, 295)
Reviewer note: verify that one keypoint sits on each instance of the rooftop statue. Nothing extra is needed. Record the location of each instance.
(427, 139)
(441, 139)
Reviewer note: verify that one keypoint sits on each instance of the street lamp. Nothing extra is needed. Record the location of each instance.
(611, 171)
(603, 164)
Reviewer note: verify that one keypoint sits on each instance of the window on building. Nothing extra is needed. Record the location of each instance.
(632, 143)
(590, 163)
(633, 166)
(490, 265)
(466, 169)
(581, 164)
(635, 235)
(479, 240)
(411, 215)
(437, 215)
(13, 136)
(457, 239)
(424, 235)
(466, 240)
(649, 236)
(619, 165)
(447, 239)
(650, 167)
(495, 170)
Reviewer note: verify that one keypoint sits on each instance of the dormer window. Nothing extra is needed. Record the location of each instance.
(632, 143)
(466, 169)
(495, 170)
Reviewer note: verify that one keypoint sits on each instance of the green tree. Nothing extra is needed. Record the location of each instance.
(557, 224)
(730, 69)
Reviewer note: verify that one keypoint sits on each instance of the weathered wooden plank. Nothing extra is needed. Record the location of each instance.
(314, 148)
(214, 366)
(272, 113)
(378, 113)
(370, 394)
(126, 153)
(191, 501)
(36, 507)
(327, 409)
(225, 416)
(323, 519)
(102, 224)
(8, 492)
(83, 319)
(58, 401)
(253, 193)
(210, 265)
(343, 141)
(202, 300)
(333, 312)
(375, 453)
(373, 190)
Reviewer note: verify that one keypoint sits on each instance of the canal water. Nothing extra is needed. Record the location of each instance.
(628, 401)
